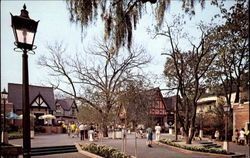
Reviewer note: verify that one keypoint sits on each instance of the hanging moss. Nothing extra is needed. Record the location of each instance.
(120, 16)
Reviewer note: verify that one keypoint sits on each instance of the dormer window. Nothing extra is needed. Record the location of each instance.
(58, 108)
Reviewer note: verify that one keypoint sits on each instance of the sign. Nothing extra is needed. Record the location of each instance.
(170, 119)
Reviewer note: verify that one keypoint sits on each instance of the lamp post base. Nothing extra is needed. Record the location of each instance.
(225, 145)
(5, 138)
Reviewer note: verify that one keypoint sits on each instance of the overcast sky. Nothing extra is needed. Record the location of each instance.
(54, 26)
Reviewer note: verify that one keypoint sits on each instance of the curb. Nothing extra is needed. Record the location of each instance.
(202, 153)
(89, 154)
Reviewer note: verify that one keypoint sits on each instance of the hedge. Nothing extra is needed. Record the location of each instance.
(196, 148)
(15, 135)
(103, 150)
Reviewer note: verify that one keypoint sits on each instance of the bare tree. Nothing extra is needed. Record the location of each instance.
(187, 72)
(136, 101)
(95, 81)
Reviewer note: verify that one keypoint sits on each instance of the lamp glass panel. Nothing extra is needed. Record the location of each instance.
(25, 36)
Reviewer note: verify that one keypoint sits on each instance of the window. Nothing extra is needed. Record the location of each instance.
(58, 109)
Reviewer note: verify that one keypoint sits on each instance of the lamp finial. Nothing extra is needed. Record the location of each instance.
(24, 12)
(24, 6)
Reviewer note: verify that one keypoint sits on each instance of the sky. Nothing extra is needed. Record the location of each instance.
(54, 25)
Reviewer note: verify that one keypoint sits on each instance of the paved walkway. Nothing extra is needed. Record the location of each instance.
(52, 140)
(232, 146)
(142, 150)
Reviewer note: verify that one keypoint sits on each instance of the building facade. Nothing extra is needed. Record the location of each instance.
(66, 110)
(41, 102)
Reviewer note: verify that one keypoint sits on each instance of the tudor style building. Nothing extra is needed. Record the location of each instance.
(41, 100)
(66, 110)
(158, 109)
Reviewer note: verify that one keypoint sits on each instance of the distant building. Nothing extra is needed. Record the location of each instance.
(41, 101)
(66, 110)
(158, 109)
(207, 103)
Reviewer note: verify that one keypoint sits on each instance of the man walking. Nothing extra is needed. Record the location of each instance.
(157, 132)
(81, 128)
(149, 136)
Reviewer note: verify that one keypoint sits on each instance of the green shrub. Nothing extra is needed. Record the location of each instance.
(103, 150)
(15, 135)
(195, 148)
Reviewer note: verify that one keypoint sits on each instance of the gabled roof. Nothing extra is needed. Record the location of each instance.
(170, 102)
(15, 95)
(156, 94)
(66, 104)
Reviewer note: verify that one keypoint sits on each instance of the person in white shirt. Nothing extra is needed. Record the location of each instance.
(242, 136)
(81, 128)
(157, 132)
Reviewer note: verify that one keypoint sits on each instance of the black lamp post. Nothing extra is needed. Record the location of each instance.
(226, 110)
(4, 96)
(24, 30)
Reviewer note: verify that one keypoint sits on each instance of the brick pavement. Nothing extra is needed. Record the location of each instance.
(52, 140)
(143, 151)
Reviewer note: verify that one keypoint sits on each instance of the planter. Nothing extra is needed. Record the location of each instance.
(48, 129)
(59, 130)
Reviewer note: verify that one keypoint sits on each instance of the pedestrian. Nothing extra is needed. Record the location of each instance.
(77, 131)
(242, 136)
(91, 133)
(81, 128)
(73, 128)
(85, 131)
(141, 132)
(157, 132)
(64, 127)
(149, 136)
(247, 136)
(237, 135)
(217, 135)
(68, 129)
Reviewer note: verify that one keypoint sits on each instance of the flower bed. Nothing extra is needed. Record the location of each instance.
(103, 150)
(15, 135)
(195, 148)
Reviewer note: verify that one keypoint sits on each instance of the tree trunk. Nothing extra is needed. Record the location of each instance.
(237, 95)
(105, 130)
(189, 136)
(104, 125)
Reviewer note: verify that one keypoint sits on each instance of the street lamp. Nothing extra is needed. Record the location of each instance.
(24, 30)
(4, 96)
(226, 110)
